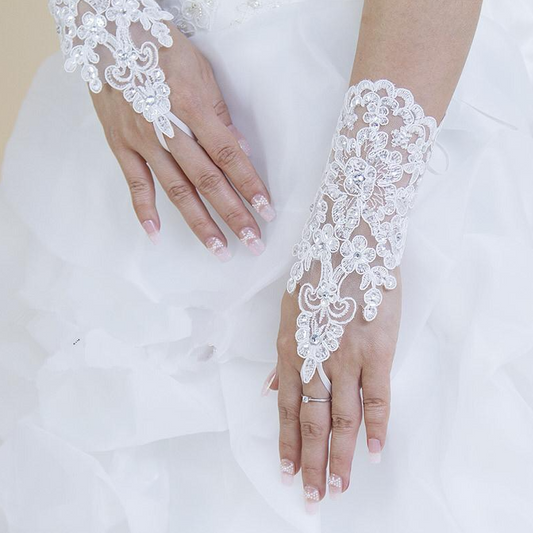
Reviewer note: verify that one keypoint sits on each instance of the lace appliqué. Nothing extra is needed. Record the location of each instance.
(250, 8)
(108, 24)
(190, 16)
(358, 221)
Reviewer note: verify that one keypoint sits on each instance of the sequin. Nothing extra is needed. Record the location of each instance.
(358, 222)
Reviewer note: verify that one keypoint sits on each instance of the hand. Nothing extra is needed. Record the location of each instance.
(362, 362)
(216, 166)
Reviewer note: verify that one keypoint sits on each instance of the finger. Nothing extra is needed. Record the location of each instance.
(346, 414)
(222, 112)
(224, 150)
(271, 382)
(315, 425)
(212, 184)
(141, 186)
(375, 380)
(290, 444)
(185, 197)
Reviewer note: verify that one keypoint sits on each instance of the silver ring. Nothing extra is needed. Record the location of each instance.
(307, 399)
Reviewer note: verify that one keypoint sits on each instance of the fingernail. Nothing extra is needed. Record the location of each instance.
(312, 499)
(151, 230)
(218, 249)
(335, 486)
(374, 451)
(243, 143)
(263, 207)
(252, 241)
(268, 381)
(287, 472)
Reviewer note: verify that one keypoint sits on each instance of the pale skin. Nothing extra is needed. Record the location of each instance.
(421, 45)
(418, 44)
(213, 167)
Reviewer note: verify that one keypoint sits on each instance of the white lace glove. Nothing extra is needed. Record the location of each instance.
(355, 236)
(118, 40)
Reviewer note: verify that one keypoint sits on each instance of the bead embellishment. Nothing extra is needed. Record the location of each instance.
(286, 467)
(358, 222)
(88, 28)
(312, 494)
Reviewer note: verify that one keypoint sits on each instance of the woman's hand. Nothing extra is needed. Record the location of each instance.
(215, 166)
(362, 362)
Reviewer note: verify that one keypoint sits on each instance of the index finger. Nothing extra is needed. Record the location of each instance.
(225, 151)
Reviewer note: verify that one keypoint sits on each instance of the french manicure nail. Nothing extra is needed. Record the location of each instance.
(287, 472)
(218, 249)
(252, 241)
(268, 381)
(312, 499)
(335, 486)
(243, 143)
(263, 207)
(374, 451)
(151, 230)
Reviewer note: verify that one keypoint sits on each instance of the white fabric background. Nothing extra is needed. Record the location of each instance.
(139, 427)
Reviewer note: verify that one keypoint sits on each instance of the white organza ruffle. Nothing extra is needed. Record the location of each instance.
(130, 375)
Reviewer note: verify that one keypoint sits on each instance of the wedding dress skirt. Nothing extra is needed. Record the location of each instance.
(130, 374)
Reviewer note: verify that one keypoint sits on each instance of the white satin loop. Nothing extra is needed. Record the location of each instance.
(446, 157)
(179, 124)
(323, 377)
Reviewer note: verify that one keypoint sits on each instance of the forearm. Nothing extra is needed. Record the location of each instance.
(418, 44)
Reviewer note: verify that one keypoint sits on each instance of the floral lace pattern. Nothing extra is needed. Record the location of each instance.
(88, 27)
(250, 8)
(358, 222)
(190, 16)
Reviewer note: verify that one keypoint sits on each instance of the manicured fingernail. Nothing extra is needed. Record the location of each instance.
(243, 143)
(268, 381)
(335, 486)
(263, 207)
(250, 239)
(287, 470)
(312, 499)
(151, 230)
(218, 249)
(374, 451)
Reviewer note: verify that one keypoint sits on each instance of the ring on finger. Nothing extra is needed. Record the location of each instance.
(307, 399)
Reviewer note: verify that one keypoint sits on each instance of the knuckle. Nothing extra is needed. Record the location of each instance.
(200, 226)
(285, 345)
(337, 458)
(115, 139)
(179, 192)
(288, 414)
(248, 183)
(288, 447)
(208, 182)
(225, 155)
(344, 423)
(220, 108)
(312, 430)
(138, 186)
(376, 410)
(234, 217)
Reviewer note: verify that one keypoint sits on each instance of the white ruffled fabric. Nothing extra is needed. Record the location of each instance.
(130, 375)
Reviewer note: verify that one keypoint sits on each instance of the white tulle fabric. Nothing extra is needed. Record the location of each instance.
(130, 375)
(358, 223)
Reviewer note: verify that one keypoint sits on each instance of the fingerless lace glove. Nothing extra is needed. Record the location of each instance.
(119, 40)
(355, 235)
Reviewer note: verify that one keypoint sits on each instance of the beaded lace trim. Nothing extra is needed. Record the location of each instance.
(190, 16)
(358, 221)
(88, 27)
